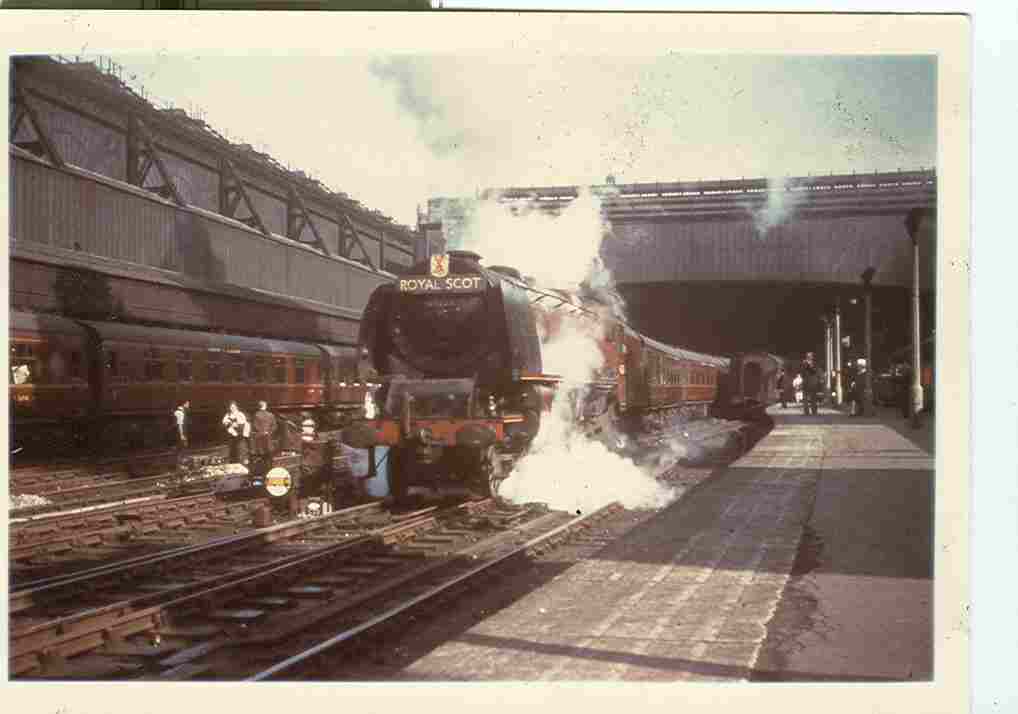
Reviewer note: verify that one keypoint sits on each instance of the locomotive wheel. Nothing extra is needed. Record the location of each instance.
(492, 473)
(399, 482)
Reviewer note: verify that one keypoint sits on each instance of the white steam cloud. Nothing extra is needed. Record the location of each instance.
(560, 251)
(569, 471)
(565, 468)
(779, 207)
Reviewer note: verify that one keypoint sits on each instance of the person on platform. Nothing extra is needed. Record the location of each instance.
(797, 387)
(781, 388)
(308, 428)
(238, 429)
(263, 431)
(810, 384)
(858, 389)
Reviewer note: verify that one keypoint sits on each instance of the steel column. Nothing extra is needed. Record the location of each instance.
(867, 398)
(839, 394)
(232, 191)
(912, 223)
(298, 216)
(828, 356)
(352, 230)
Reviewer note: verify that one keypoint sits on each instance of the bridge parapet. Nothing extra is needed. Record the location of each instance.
(825, 229)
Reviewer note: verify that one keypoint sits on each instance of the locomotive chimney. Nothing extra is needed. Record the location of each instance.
(506, 270)
(465, 255)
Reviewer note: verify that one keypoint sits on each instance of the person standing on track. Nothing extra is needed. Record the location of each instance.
(237, 429)
(810, 383)
(308, 428)
(180, 419)
(180, 428)
(263, 430)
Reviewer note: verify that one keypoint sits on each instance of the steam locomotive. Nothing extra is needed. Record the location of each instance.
(464, 389)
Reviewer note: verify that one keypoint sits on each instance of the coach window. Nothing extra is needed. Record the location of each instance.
(279, 370)
(259, 369)
(238, 366)
(185, 368)
(153, 365)
(213, 367)
(111, 363)
(300, 371)
(74, 369)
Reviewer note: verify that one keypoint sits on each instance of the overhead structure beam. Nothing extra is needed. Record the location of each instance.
(232, 192)
(142, 155)
(345, 246)
(42, 145)
(298, 216)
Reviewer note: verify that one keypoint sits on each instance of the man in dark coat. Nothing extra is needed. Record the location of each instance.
(263, 430)
(810, 383)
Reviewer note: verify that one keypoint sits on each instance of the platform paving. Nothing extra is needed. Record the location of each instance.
(704, 590)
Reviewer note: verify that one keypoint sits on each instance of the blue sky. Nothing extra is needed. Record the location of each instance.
(394, 130)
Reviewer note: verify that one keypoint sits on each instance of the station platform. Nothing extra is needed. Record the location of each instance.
(807, 559)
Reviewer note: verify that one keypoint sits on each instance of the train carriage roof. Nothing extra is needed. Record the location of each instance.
(166, 337)
(339, 351)
(688, 355)
(48, 324)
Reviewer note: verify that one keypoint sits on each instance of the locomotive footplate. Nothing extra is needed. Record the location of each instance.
(439, 431)
(430, 415)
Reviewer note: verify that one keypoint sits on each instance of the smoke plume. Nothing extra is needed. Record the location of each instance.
(780, 205)
(565, 468)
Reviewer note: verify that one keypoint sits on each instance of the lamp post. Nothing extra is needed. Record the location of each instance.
(912, 221)
(828, 356)
(839, 394)
(867, 394)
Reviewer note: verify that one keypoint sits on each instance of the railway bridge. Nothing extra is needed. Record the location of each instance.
(121, 208)
(725, 266)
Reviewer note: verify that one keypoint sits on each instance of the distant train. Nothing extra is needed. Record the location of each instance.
(460, 351)
(751, 385)
(115, 384)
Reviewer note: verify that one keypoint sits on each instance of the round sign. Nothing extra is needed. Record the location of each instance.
(278, 481)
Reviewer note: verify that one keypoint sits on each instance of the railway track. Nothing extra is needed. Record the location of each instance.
(41, 479)
(61, 616)
(109, 489)
(394, 607)
(246, 605)
(64, 541)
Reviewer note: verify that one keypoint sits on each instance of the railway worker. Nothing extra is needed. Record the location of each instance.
(263, 430)
(308, 427)
(810, 383)
(238, 429)
(21, 374)
(180, 421)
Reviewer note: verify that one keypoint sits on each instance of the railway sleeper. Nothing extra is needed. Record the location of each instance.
(48, 650)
